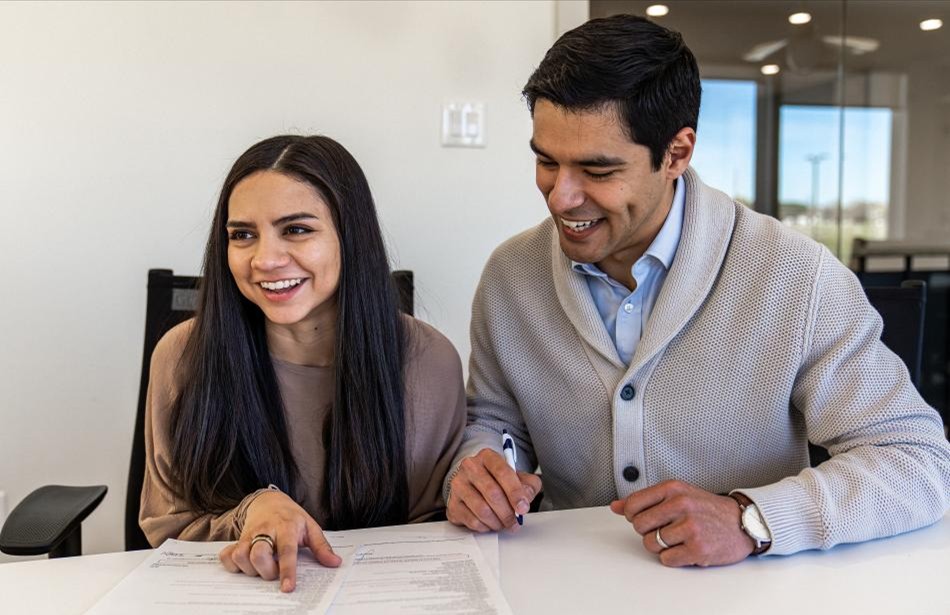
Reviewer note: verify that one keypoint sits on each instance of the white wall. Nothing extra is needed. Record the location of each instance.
(568, 14)
(118, 123)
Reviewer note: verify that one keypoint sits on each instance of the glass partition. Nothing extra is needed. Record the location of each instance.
(834, 117)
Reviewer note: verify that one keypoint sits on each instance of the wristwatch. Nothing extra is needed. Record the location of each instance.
(752, 523)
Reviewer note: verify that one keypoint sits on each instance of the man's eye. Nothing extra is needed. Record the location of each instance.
(604, 175)
(239, 235)
(547, 164)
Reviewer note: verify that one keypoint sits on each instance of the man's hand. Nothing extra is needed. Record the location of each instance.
(274, 514)
(486, 494)
(701, 528)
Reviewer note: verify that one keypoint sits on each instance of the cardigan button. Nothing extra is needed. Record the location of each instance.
(631, 473)
(626, 393)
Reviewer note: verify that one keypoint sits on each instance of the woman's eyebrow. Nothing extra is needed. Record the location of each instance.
(294, 217)
(240, 224)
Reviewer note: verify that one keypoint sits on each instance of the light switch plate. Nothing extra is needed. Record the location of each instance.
(463, 124)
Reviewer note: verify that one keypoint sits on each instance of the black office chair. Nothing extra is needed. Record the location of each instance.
(172, 299)
(902, 310)
(49, 519)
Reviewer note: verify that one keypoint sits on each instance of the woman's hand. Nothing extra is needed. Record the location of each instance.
(275, 515)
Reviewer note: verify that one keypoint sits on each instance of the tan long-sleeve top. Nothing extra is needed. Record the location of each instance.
(435, 418)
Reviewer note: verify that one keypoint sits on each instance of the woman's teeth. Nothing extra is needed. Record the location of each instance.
(281, 284)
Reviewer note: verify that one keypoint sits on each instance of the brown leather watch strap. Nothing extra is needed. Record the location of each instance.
(742, 498)
(744, 501)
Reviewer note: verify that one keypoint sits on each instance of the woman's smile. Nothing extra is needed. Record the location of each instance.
(282, 290)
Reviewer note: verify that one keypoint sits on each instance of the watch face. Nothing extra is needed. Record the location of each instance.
(754, 524)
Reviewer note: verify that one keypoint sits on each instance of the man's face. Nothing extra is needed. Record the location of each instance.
(606, 200)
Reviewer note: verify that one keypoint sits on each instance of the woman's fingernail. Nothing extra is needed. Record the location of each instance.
(285, 585)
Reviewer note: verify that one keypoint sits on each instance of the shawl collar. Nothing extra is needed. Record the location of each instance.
(578, 304)
(708, 221)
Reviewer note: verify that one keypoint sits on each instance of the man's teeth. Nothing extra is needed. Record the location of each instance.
(281, 284)
(579, 226)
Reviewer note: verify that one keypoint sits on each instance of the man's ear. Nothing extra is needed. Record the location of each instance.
(679, 153)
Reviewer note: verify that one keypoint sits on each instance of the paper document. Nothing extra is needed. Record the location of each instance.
(186, 578)
(431, 575)
(487, 543)
(432, 567)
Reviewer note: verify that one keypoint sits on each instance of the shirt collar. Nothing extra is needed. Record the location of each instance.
(667, 240)
(664, 245)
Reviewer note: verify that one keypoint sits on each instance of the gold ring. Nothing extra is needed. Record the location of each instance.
(263, 538)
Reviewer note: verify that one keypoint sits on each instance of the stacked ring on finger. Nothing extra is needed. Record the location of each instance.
(660, 541)
(263, 538)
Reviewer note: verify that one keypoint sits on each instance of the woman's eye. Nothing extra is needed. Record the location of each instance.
(239, 235)
(297, 230)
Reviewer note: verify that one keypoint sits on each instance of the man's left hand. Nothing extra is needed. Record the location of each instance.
(701, 528)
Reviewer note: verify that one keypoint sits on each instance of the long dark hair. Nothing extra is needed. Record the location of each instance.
(642, 68)
(229, 434)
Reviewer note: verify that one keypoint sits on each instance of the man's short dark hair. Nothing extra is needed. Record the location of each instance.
(644, 69)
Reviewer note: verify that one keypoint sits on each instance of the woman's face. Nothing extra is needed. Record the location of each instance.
(283, 249)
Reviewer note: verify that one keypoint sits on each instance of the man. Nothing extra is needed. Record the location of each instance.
(657, 347)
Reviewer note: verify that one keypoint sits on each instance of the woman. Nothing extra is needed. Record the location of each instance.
(297, 398)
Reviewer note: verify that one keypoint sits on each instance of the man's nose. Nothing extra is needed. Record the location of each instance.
(566, 194)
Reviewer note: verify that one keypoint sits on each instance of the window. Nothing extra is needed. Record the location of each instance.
(809, 173)
(725, 150)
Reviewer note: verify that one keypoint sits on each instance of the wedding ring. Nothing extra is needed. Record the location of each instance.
(269, 540)
(660, 541)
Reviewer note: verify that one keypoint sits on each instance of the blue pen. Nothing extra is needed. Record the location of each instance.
(511, 456)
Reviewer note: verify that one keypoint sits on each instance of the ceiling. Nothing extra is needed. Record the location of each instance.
(721, 32)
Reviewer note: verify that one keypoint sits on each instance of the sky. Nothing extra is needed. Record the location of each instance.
(725, 150)
(725, 137)
(814, 131)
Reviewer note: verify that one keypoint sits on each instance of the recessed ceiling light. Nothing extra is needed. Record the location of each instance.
(657, 10)
(931, 24)
(770, 69)
(799, 18)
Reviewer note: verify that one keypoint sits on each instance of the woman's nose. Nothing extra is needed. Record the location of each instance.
(270, 254)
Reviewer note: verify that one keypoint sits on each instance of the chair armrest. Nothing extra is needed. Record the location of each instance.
(46, 517)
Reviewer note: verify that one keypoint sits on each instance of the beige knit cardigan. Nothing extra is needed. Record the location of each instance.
(759, 341)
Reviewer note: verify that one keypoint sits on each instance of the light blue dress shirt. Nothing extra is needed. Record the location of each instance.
(625, 314)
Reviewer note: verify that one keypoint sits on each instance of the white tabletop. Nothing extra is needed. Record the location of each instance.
(591, 561)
